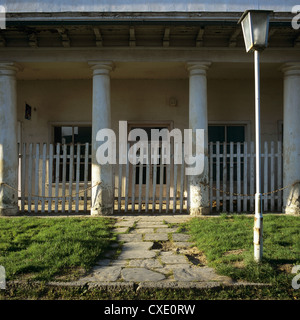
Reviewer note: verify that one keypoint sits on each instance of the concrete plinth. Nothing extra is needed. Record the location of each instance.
(291, 138)
(102, 175)
(8, 140)
(199, 193)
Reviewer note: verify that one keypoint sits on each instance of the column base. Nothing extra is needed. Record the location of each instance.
(201, 211)
(292, 210)
(9, 211)
(103, 201)
(292, 205)
(101, 211)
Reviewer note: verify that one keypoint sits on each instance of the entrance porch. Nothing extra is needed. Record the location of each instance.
(61, 86)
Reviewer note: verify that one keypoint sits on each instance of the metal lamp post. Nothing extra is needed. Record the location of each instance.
(255, 25)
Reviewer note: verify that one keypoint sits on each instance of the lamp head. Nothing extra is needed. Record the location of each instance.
(255, 25)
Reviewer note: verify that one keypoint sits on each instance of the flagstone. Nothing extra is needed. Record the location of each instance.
(128, 237)
(141, 274)
(172, 258)
(109, 273)
(180, 237)
(156, 237)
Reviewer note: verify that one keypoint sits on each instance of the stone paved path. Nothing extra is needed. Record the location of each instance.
(155, 254)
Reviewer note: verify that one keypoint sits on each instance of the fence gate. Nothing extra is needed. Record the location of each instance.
(151, 187)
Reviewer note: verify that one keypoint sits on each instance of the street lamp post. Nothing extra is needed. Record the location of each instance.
(255, 25)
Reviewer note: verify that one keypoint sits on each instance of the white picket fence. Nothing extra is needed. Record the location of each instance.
(56, 178)
(232, 176)
(151, 187)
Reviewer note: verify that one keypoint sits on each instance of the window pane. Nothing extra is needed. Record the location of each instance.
(235, 133)
(57, 134)
(84, 134)
(216, 133)
(66, 135)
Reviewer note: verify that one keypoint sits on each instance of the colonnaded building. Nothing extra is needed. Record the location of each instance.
(70, 68)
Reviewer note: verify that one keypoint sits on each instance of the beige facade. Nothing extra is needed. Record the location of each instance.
(70, 102)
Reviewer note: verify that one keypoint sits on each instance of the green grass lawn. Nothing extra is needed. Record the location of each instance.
(44, 248)
(227, 242)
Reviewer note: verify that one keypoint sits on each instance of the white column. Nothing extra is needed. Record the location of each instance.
(102, 195)
(291, 138)
(199, 192)
(8, 139)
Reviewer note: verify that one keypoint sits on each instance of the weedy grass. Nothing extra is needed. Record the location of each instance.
(47, 248)
(42, 248)
(227, 242)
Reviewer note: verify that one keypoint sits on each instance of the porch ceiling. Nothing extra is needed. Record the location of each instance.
(141, 49)
(102, 33)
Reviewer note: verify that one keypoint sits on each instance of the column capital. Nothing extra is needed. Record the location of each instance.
(291, 69)
(197, 67)
(101, 67)
(8, 68)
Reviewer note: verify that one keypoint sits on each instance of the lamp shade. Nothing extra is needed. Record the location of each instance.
(255, 25)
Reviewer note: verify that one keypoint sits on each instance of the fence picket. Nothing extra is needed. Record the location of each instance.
(127, 181)
(155, 155)
(71, 162)
(252, 155)
(140, 181)
(266, 169)
(272, 173)
(238, 176)
(19, 174)
(279, 175)
(77, 177)
(120, 187)
(245, 157)
(86, 167)
(64, 172)
(50, 173)
(181, 183)
(175, 187)
(147, 180)
(161, 180)
(30, 159)
(57, 162)
(168, 173)
(113, 187)
(211, 153)
(218, 176)
(23, 177)
(224, 176)
(231, 178)
(44, 177)
(36, 179)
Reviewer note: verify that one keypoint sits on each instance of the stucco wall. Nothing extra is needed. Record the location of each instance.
(68, 101)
